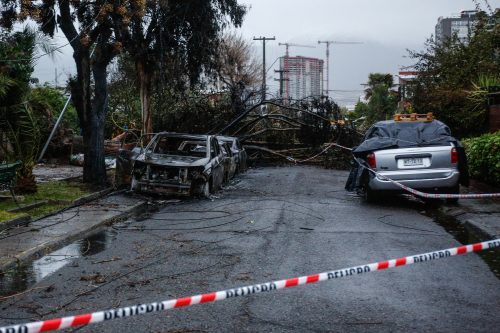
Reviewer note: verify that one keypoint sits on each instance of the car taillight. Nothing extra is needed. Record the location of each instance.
(454, 155)
(370, 158)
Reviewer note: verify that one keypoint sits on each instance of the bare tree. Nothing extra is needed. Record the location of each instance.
(237, 70)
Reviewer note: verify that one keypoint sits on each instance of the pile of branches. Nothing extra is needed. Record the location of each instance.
(274, 132)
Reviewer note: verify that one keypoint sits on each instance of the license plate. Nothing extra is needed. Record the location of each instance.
(416, 161)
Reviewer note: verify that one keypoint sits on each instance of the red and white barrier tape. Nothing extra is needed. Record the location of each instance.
(437, 195)
(135, 310)
(420, 193)
(431, 195)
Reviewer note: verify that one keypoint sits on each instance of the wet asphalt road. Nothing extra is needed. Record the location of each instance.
(273, 223)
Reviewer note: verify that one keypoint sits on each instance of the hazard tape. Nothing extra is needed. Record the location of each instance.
(135, 310)
(436, 195)
(420, 193)
(431, 195)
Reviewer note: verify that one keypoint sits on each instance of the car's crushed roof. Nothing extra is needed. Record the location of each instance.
(391, 134)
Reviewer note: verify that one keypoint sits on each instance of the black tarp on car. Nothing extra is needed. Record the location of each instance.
(390, 134)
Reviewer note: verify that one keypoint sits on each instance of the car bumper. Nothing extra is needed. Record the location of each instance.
(162, 188)
(416, 179)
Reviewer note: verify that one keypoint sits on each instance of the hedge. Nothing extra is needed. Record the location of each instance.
(483, 156)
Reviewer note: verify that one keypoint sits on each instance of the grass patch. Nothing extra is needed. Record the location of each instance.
(5, 216)
(57, 190)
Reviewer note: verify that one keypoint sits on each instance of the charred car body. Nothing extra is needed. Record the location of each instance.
(420, 154)
(178, 164)
(239, 152)
(229, 161)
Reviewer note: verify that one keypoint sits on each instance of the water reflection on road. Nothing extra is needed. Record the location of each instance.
(24, 276)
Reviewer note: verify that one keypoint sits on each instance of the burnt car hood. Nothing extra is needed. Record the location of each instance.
(173, 160)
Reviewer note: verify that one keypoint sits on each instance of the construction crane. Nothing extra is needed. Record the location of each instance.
(328, 42)
(285, 70)
(287, 45)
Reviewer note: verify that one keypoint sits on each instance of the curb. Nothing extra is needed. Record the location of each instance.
(92, 196)
(15, 222)
(38, 251)
(463, 218)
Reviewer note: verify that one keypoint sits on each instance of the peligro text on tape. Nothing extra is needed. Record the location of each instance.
(96, 317)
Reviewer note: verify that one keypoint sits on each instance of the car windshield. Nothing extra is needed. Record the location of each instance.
(179, 146)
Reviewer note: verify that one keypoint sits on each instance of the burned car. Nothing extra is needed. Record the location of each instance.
(414, 150)
(239, 152)
(178, 164)
(229, 161)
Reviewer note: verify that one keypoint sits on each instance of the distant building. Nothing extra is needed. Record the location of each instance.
(461, 24)
(301, 77)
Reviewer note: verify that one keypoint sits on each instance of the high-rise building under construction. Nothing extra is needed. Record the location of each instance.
(302, 77)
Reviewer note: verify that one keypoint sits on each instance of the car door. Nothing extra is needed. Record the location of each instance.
(242, 156)
(217, 163)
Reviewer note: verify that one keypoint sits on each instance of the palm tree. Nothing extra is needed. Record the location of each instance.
(20, 133)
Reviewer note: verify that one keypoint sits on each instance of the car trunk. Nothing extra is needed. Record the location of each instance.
(417, 158)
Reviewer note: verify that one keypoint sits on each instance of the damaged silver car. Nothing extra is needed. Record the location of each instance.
(179, 164)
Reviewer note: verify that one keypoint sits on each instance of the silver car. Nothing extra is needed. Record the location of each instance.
(420, 154)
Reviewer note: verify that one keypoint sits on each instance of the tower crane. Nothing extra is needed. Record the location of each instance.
(328, 43)
(287, 55)
(287, 45)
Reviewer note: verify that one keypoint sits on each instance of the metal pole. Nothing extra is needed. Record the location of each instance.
(55, 128)
(60, 118)
(263, 39)
(264, 69)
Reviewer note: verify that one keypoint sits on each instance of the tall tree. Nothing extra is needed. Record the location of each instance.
(378, 79)
(19, 130)
(237, 70)
(175, 42)
(86, 25)
(382, 100)
(448, 70)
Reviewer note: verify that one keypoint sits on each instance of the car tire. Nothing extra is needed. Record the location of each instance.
(206, 190)
(454, 190)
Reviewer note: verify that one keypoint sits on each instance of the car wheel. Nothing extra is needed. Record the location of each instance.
(454, 190)
(206, 189)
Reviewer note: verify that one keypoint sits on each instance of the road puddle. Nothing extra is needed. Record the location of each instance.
(464, 236)
(24, 276)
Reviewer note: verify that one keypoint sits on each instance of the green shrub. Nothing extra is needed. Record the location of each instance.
(483, 156)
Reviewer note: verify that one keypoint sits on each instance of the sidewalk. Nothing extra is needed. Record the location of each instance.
(481, 217)
(50, 233)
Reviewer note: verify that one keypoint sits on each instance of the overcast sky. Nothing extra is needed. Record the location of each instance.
(386, 27)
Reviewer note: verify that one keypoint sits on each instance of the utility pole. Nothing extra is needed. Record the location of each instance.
(282, 79)
(264, 39)
(328, 42)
